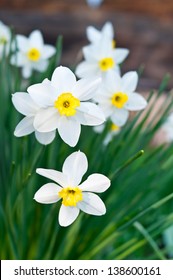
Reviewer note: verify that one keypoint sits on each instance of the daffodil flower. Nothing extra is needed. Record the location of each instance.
(94, 35)
(32, 53)
(5, 37)
(100, 58)
(117, 97)
(27, 107)
(65, 105)
(75, 195)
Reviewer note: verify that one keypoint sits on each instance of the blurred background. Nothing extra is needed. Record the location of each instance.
(145, 27)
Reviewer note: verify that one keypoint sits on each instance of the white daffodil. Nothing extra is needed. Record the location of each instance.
(117, 97)
(94, 35)
(26, 106)
(5, 37)
(100, 58)
(75, 196)
(65, 105)
(32, 54)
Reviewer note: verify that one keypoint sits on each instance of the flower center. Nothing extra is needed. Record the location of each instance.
(119, 99)
(33, 54)
(106, 63)
(3, 40)
(70, 196)
(66, 104)
(114, 127)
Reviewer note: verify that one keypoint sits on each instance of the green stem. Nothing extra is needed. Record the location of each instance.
(127, 163)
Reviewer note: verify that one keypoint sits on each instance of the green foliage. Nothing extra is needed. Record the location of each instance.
(139, 201)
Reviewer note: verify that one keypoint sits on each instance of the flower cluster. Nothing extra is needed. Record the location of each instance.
(64, 103)
(116, 95)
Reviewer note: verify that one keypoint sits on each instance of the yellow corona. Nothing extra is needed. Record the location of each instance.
(66, 104)
(70, 196)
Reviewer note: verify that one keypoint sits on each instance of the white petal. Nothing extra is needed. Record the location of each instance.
(26, 71)
(67, 215)
(75, 166)
(129, 82)
(24, 127)
(87, 69)
(108, 30)
(85, 89)
(36, 39)
(120, 116)
(107, 109)
(104, 47)
(48, 193)
(93, 34)
(112, 81)
(90, 114)
(136, 102)
(45, 138)
(92, 204)
(48, 51)
(90, 54)
(95, 183)
(120, 55)
(22, 43)
(54, 175)
(69, 130)
(63, 79)
(40, 66)
(43, 94)
(24, 103)
(46, 120)
(19, 59)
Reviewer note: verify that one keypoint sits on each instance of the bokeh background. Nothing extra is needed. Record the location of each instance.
(145, 27)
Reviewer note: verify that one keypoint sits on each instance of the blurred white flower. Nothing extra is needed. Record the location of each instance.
(27, 107)
(100, 58)
(94, 35)
(117, 97)
(65, 105)
(114, 130)
(75, 196)
(5, 37)
(167, 127)
(94, 3)
(32, 53)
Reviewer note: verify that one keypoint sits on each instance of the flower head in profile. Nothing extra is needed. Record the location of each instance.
(27, 107)
(75, 195)
(117, 97)
(65, 105)
(32, 53)
(101, 58)
(94, 35)
(5, 37)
